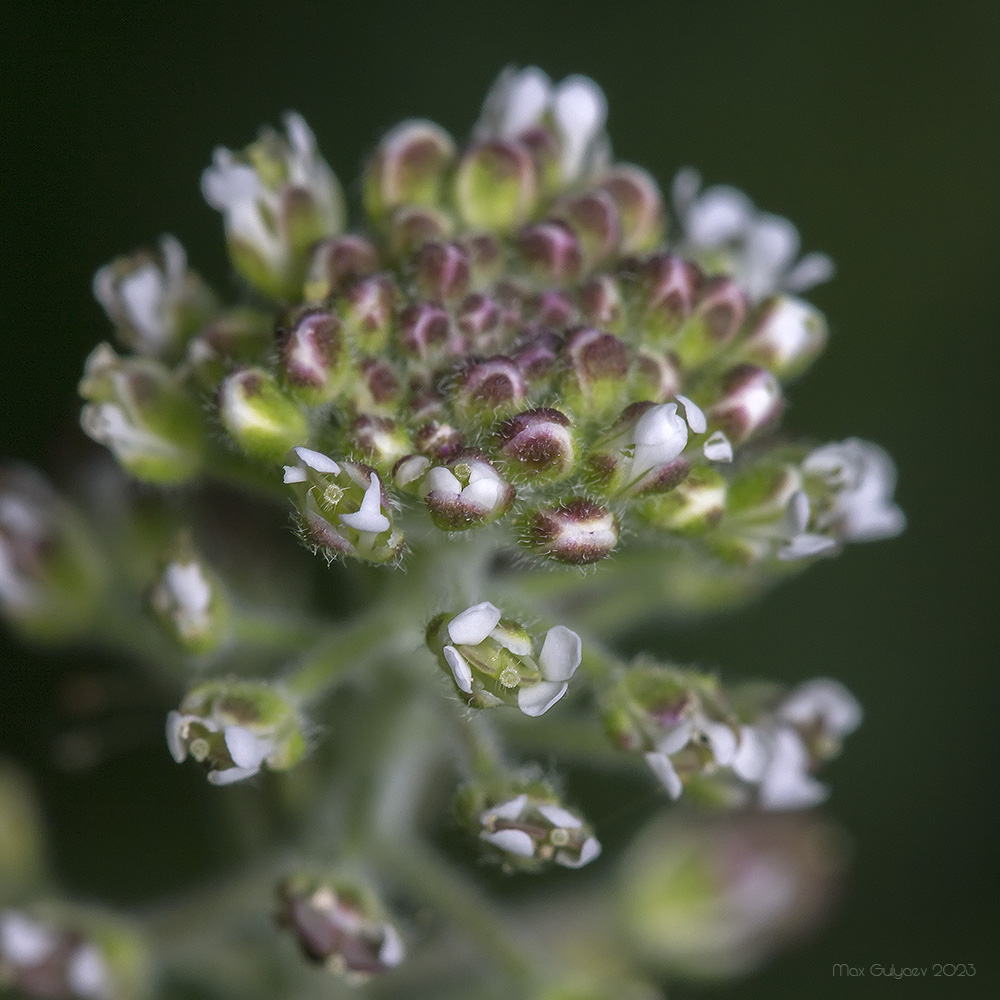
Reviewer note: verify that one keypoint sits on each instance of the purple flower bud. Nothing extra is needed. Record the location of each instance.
(425, 332)
(477, 317)
(668, 289)
(640, 207)
(750, 400)
(537, 445)
(379, 441)
(442, 271)
(537, 352)
(467, 493)
(577, 531)
(594, 219)
(409, 168)
(337, 262)
(412, 227)
(377, 389)
(313, 355)
(486, 258)
(439, 441)
(717, 317)
(496, 186)
(601, 303)
(489, 389)
(551, 251)
(367, 311)
(597, 371)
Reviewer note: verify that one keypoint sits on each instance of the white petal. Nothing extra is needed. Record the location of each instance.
(561, 653)
(525, 97)
(392, 951)
(300, 135)
(660, 435)
(474, 624)
(661, 765)
(186, 585)
(561, 818)
(824, 699)
(805, 546)
(787, 783)
(87, 973)
(538, 699)
(512, 841)
(722, 741)
(247, 750)
(590, 849)
(580, 110)
(797, 512)
(751, 757)
(460, 669)
(484, 494)
(294, 474)
(772, 243)
(231, 775)
(719, 215)
(813, 269)
(684, 190)
(718, 448)
(441, 480)
(23, 941)
(676, 738)
(317, 461)
(369, 516)
(142, 294)
(506, 810)
(694, 414)
(175, 742)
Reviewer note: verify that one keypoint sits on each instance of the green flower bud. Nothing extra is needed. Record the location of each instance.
(409, 167)
(56, 951)
(154, 301)
(236, 337)
(576, 531)
(340, 924)
(189, 602)
(376, 388)
(233, 728)
(550, 252)
(52, 574)
(426, 332)
(786, 337)
(337, 263)
(597, 372)
(343, 509)
(668, 287)
(496, 187)
(718, 314)
(640, 207)
(492, 661)
(442, 271)
(712, 898)
(602, 303)
(366, 312)
(278, 198)
(378, 441)
(525, 826)
(593, 217)
(412, 227)
(259, 417)
(136, 407)
(692, 507)
(314, 356)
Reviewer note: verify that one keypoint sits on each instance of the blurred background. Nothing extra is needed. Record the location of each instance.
(872, 126)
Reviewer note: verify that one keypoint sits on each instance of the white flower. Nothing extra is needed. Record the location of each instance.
(800, 543)
(565, 828)
(185, 595)
(484, 494)
(825, 702)
(521, 99)
(660, 435)
(721, 226)
(246, 751)
(718, 448)
(695, 728)
(24, 942)
(863, 478)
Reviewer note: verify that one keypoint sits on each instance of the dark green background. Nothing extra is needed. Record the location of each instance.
(872, 126)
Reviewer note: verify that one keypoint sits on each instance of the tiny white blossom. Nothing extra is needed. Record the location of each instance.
(718, 447)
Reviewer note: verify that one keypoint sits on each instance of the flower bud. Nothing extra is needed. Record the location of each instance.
(655, 376)
(601, 303)
(279, 198)
(233, 728)
(339, 924)
(750, 400)
(716, 319)
(409, 167)
(189, 602)
(640, 207)
(379, 441)
(692, 507)
(593, 217)
(70, 955)
(439, 440)
(668, 288)
(314, 356)
(343, 508)
(366, 312)
(412, 227)
(466, 493)
(51, 572)
(259, 417)
(713, 897)
(155, 429)
(596, 380)
(479, 319)
(551, 252)
(489, 390)
(492, 661)
(537, 352)
(486, 259)
(336, 263)
(526, 826)
(237, 336)
(537, 446)
(576, 531)
(677, 719)
(786, 338)
(442, 271)
(376, 387)
(496, 186)
(154, 301)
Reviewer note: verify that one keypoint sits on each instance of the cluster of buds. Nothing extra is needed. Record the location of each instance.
(492, 659)
(512, 336)
(51, 573)
(233, 728)
(747, 744)
(526, 826)
(70, 956)
(339, 924)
